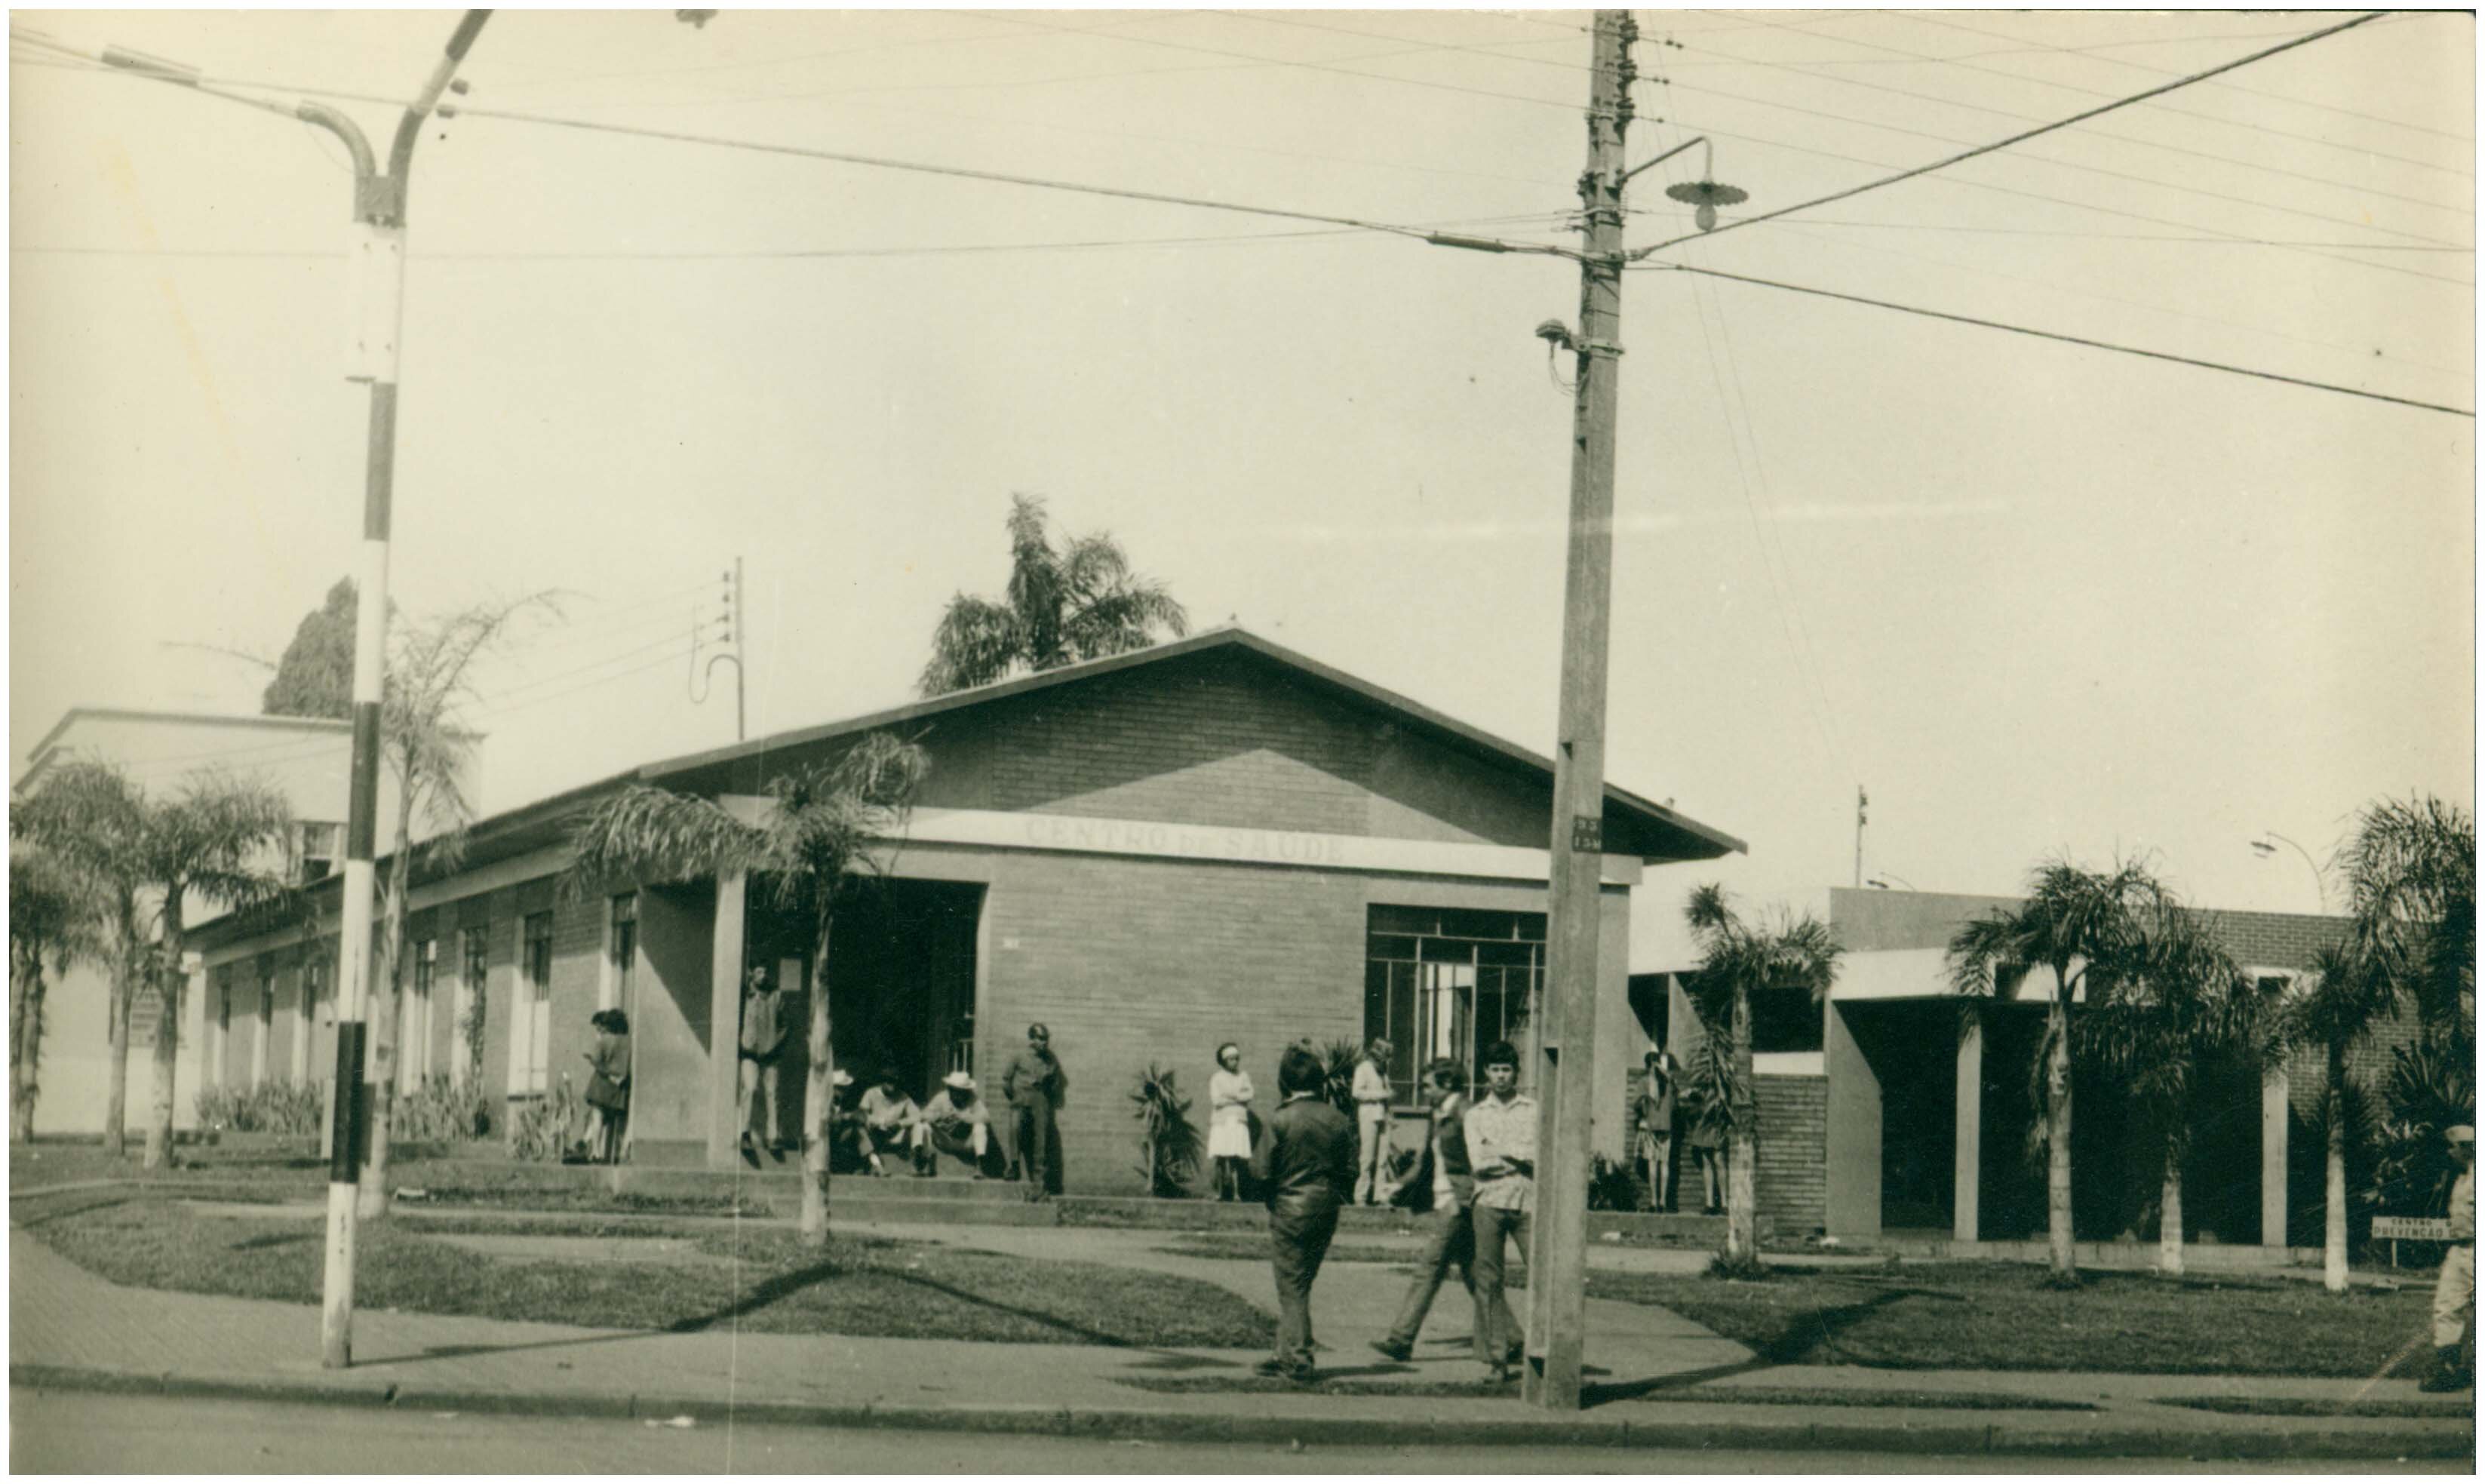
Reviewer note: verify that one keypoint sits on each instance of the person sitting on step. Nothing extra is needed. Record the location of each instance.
(954, 1122)
(888, 1119)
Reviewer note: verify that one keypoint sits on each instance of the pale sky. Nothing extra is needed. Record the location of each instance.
(2033, 596)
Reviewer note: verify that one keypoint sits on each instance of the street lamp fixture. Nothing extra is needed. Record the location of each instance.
(1705, 193)
(1882, 881)
(2266, 847)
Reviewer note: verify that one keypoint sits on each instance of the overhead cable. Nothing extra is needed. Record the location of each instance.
(2068, 339)
(2023, 136)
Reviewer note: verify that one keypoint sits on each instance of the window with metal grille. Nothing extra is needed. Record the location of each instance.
(530, 1019)
(1442, 982)
(414, 1017)
(474, 962)
(621, 954)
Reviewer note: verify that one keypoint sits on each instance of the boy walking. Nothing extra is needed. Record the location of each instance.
(1445, 1177)
(1305, 1161)
(1501, 1141)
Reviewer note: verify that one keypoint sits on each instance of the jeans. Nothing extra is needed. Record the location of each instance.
(1493, 1225)
(1032, 1122)
(1299, 1238)
(758, 1084)
(1451, 1243)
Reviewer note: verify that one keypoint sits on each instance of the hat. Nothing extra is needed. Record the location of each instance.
(844, 1078)
(959, 1081)
(2459, 1133)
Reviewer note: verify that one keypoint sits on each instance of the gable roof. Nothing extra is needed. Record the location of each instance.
(547, 821)
(1683, 838)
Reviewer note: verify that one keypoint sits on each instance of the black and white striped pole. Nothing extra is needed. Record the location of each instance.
(379, 266)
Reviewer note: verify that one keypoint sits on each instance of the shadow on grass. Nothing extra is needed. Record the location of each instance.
(1790, 1346)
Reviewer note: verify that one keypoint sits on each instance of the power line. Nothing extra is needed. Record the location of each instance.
(2281, 97)
(2069, 339)
(956, 172)
(2023, 135)
(2064, 201)
(2024, 79)
(2099, 170)
(2360, 187)
(2102, 236)
(2107, 298)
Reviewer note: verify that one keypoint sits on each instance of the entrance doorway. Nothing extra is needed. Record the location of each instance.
(901, 979)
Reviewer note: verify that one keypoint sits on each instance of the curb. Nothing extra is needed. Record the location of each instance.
(1708, 1435)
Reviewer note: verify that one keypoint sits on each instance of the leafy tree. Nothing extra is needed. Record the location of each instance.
(2072, 923)
(156, 859)
(90, 816)
(812, 846)
(56, 919)
(2179, 1005)
(1079, 602)
(1736, 960)
(429, 756)
(2411, 870)
(315, 675)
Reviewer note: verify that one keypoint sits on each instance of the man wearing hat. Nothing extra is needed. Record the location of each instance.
(2454, 1293)
(954, 1122)
(847, 1133)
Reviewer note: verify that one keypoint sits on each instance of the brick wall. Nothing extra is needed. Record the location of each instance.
(1225, 739)
(1129, 962)
(1792, 1185)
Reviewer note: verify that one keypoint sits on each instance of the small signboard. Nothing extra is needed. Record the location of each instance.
(2395, 1229)
(2412, 1229)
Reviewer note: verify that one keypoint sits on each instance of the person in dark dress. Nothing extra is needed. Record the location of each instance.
(608, 1084)
(1305, 1160)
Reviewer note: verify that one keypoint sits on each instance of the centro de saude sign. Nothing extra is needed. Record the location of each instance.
(1090, 835)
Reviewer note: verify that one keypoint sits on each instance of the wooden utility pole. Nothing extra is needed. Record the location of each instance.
(1557, 1299)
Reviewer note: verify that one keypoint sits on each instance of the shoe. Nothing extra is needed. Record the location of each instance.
(2448, 1376)
(1502, 1375)
(1272, 1366)
(1396, 1350)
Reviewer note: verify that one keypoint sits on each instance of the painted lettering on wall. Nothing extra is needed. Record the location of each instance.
(1138, 837)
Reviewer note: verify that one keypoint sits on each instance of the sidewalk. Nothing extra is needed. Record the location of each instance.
(1657, 1380)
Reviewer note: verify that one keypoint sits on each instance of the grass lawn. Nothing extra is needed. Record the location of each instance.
(2002, 1316)
(264, 1174)
(761, 1279)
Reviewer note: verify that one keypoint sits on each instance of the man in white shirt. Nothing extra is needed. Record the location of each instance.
(954, 1121)
(1501, 1146)
(2454, 1292)
(1372, 1125)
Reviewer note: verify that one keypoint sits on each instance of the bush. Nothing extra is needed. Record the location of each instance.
(436, 1112)
(1340, 1057)
(1170, 1147)
(278, 1107)
(1612, 1184)
(546, 1127)
(2430, 1085)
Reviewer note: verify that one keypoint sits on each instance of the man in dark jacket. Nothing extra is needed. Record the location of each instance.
(1033, 1084)
(1444, 1181)
(1305, 1161)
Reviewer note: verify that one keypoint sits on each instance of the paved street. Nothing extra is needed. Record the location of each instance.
(71, 1433)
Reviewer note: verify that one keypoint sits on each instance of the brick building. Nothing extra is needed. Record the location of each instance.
(1211, 839)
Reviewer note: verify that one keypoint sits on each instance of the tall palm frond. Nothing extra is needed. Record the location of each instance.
(1060, 606)
(2411, 875)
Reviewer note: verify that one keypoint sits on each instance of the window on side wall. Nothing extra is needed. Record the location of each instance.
(531, 1023)
(474, 961)
(621, 954)
(414, 1017)
(1447, 983)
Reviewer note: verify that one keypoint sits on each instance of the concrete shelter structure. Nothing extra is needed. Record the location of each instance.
(1211, 839)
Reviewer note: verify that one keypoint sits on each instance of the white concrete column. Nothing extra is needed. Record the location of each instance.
(724, 1025)
(1967, 1150)
(2272, 1158)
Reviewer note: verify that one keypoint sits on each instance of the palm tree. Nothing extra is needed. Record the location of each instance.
(1078, 603)
(2411, 875)
(430, 757)
(90, 816)
(2181, 1003)
(56, 919)
(157, 857)
(1737, 959)
(2072, 921)
(2411, 870)
(812, 846)
(2342, 992)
